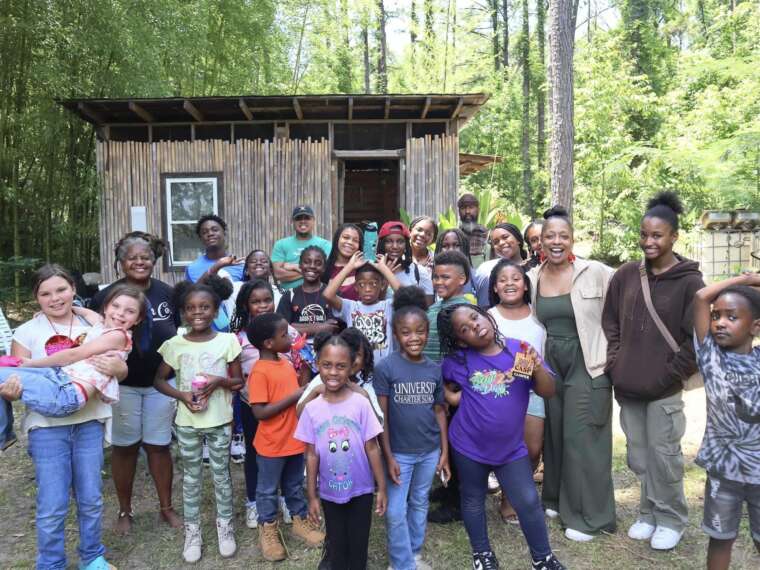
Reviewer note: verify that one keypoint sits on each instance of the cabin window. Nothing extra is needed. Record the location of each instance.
(186, 198)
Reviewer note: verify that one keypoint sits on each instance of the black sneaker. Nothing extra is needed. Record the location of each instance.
(484, 561)
(444, 515)
(548, 563)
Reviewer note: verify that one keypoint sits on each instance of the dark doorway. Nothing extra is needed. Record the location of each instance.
(370, 190)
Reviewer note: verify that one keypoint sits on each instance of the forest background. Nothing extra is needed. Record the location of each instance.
(667, 96)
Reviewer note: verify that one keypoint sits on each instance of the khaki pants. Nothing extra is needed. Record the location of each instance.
(653, 431)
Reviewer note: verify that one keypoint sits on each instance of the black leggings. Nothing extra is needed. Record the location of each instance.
(250, 467)
(348, 527)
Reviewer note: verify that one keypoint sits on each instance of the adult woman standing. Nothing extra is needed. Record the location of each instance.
(142, 416)
(648, 376)
(347, 240)
(507, 242)
(67, 452)
(568, 298)
(423, 232)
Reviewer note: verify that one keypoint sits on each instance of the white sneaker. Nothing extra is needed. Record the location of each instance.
(286, 518)
(226, 533)
(551, 513)
(577, 535)
(251, 516)
(421, 564)
(665, 538)
(193, 541)
(641, 530)
(237, 448)
(493, 483)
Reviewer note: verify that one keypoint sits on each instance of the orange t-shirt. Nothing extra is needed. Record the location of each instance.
(271, 381)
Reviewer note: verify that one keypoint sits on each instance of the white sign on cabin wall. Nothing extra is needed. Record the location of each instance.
(139, 218)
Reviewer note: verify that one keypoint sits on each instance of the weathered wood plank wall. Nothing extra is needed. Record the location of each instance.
(432, 175)
(261, 182)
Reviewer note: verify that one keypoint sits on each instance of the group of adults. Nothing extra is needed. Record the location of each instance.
(600, 335)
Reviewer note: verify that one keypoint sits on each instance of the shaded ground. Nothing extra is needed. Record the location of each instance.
(152, 545)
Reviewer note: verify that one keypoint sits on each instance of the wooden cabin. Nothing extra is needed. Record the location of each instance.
(163, 163)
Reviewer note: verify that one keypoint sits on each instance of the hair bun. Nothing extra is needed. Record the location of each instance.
(409, 296)
(668, 199)
(556, 211)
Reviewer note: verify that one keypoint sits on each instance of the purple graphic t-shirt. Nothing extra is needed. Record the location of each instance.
(338, 433)
(490, 422)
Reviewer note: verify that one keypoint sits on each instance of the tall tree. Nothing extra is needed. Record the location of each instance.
(413, 25)
(540, 88)
(365, 46)
(382, 51)
(525, 61)
(505, 33)
(344, 72)
(493, 8)
(562, 18)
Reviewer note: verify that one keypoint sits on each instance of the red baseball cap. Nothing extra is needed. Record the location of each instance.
(393, 227)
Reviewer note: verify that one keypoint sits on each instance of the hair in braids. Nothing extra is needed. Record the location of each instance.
(464, 243)
(155, 244)
(217, 287)
(450, 343)
(242, 316)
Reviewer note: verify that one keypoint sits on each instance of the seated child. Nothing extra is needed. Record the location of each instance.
(726, 320)
(61, 384)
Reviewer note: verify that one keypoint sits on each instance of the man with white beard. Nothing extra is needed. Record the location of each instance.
(469, 208)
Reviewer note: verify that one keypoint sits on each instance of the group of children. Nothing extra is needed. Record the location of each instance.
(372, 430)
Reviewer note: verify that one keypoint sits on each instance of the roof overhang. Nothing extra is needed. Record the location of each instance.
(203, 110)
(471, 163)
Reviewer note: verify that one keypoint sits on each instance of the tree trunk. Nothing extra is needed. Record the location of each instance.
(365, 42)
(413, 25)
(562, 16)
(493, 6)
(540, 90)
(382, 56)
(505, 33)
(525, 57)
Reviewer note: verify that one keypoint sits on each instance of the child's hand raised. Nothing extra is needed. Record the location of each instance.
(384, 260)
(315, 513)
(381, 503)
(357, 260)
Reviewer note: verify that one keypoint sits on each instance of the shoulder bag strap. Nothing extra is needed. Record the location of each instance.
(652, 313)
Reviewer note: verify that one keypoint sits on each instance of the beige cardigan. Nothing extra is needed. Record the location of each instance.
(589, 289)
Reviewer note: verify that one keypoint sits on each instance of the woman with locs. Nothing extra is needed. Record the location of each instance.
(143, 417)
(647, 374)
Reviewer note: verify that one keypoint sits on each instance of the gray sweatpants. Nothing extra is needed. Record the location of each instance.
(653, 431)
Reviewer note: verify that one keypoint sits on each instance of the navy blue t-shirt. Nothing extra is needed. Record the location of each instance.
(412, 388)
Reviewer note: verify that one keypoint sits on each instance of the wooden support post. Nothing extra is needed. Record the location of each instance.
(458, 108)
(350, 108)
(246, 110)
(90, 113)
(297, 108)
(140, 112)
(192, 110)
(426, 108)
(387, 107)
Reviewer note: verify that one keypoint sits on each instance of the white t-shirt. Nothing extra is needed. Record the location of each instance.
(374, 321)
(485, 268)
(367, 387)
(32, 336)
(425, 283)
(529, 330)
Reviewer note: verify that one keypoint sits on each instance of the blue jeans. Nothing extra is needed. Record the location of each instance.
(516, 479)
(286, 473)
(68, 458)
(406, 516)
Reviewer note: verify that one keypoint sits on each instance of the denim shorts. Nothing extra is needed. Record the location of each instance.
(536, 406)
(142, 414)
(724, 500)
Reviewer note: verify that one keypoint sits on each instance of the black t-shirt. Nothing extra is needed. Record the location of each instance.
(143, 367)
(300, 307)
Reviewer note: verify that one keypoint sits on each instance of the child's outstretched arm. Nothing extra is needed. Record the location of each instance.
(544, 384)
(443, 461)
(705, 297)
(268, 410)
(331, 291)
(159, 383)
(111, 340)
(375, 461)
(382, 266)
(312, 468)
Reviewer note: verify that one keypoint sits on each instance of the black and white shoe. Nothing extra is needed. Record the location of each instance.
(484, 561)
(548, 563)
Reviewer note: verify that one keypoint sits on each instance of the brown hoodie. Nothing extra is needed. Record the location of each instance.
(639, 361)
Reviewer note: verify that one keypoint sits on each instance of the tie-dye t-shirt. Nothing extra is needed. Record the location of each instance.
(489, 424)
(338, 433)
(731, 444)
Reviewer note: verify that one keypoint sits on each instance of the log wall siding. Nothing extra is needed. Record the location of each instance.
(261, 182)
(431, 174)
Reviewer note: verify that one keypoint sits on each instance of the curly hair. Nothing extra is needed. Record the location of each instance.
(217, 287)
(155, 244)
(407, 301)
(242, 316)
(210, 218)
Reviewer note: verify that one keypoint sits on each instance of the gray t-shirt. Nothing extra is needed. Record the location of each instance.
(412, 388)
(374, 321)
(731, 444)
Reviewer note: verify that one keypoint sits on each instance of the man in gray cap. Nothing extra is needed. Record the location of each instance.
(469, 208)
(287, 251)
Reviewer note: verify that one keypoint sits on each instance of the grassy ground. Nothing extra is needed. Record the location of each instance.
(153, 545)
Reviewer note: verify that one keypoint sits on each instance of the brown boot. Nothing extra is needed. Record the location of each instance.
(272, 548)
(307, 531)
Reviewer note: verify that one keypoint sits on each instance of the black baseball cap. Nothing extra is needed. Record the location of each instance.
(302, 211)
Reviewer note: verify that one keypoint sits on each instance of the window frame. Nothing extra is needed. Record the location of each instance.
(167, 178)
